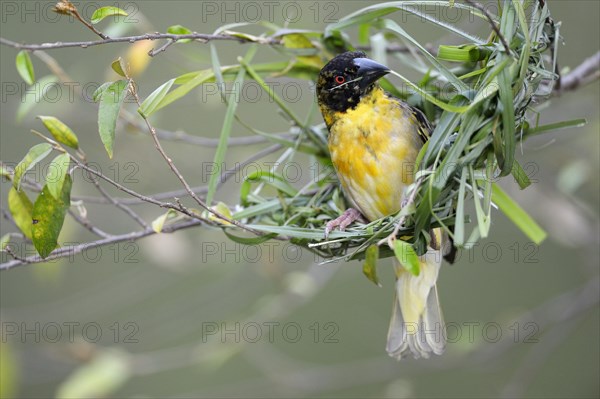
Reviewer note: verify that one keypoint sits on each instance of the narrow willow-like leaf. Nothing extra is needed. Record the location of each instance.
(108, 113)
(408, 258)
(25, 67)
(508, 123)
(555, 126)
(104, 12)
(33, 156)
(57, 173)
(232, 103)
(457, 83)
(21, 209)
(483, 221)
(249, 240)
(304, 233)
(61, 132)
(520, 176)
(48, 218)
(151, 102)
(370, 265)
(459, 227)
(270, 178)
(517, 215)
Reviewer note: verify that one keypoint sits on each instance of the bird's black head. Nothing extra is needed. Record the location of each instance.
(347, 78)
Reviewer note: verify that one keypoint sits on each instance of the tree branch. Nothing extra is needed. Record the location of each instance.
(587, 72)
(202, 37)
(74, 250)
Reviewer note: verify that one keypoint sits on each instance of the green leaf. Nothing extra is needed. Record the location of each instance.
(35, 94)
(48, 218)
(100, 91)
(272, 179)
(21, 209)
(459, 227)
(407, 257)
(463, 53)
(99, 378)
(508, 122)
(370, 265)
(108, 113)
(555, 126)
(180, 30)
(518, 215)
(151, 102)
(159, 222)
(117, 66)
(232, 103)
(249, 240)
(520, 176)
(61, 132)
(25, 67)
(104, 12)
(57, 173)
(35, 155)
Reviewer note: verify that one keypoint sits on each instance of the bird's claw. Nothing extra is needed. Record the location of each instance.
(349, 216)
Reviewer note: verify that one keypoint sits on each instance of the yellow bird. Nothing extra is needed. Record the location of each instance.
(374, 139)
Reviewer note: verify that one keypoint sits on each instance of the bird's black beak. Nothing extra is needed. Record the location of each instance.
(370, 71)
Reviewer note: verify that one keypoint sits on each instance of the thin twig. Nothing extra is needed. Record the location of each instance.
(203, 37)
(118, 204)
(74, 250)
(160, 49)
(198, 190)
(178, 174)
(88, 25)
(88, 225)
(492, 23)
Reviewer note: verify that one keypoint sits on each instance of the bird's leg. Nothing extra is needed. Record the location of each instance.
(349, 216)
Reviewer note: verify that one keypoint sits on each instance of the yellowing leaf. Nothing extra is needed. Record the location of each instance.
(224, 210)
(21, 209)
(159, 222)
(61, 132)
(370, 265)
(118, 67)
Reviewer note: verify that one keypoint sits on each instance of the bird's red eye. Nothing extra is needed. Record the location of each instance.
(340, 79)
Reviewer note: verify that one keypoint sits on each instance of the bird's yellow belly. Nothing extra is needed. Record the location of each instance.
(373, 149)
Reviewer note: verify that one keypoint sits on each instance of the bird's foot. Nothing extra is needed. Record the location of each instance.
(349, 216)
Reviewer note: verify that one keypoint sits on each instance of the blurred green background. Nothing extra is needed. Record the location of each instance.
(194, 315)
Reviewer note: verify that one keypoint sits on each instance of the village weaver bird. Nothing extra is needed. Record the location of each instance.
(374, 139)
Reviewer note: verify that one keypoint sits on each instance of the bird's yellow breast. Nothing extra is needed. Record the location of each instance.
(373, 148)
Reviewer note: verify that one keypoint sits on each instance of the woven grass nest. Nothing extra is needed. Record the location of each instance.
(480, 98)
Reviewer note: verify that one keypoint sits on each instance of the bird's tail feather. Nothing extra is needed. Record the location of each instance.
(417, 324)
